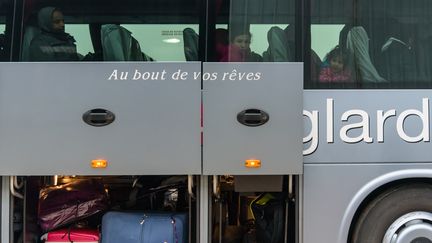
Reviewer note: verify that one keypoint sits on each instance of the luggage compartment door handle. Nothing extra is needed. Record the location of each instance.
(98, 117)
(253, 117)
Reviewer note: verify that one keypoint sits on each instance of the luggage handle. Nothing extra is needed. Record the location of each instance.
(216, 187)
(190, 186)
(173, 222)
(13, 182)
(175, 229)
(68, 234)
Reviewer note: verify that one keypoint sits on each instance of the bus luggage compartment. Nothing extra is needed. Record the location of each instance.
(139, 196)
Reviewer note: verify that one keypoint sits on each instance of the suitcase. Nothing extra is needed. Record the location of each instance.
(71, 235)
(69, 203)
(143, 227)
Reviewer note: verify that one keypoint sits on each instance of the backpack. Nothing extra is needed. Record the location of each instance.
(268, 212)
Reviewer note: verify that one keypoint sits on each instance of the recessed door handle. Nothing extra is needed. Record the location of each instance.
(98, 117)
(253, 117)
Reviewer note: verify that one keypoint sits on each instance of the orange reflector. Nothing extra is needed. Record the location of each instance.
(253, 163)
(99, 163)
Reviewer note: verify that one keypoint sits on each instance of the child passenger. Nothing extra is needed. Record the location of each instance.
(336, 70)
(239, 48)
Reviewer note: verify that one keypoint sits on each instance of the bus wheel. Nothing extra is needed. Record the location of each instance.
(400, 214)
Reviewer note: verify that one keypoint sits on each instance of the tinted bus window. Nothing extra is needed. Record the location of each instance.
(3, 48)
(255, 31)
(97, 30)
(371, 44)
(5, 23)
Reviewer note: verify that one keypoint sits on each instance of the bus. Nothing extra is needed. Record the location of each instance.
(294, 121)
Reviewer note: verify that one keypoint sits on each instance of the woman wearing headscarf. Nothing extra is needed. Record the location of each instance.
(53, 43)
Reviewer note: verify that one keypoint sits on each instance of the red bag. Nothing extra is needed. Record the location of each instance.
(71, 202)
(72, 235)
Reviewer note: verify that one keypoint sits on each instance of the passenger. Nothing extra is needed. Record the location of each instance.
(336, 69)
(53, 43)
(398, 55)
(239, 48)
(358, 46)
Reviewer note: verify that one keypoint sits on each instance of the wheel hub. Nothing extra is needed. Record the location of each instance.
(414, 227)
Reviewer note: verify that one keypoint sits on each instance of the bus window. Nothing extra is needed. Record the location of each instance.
(166, 42)
(3, 53)
(81, 34)
(255, 31)
(111, 30)
(5, 12)
(363, 44)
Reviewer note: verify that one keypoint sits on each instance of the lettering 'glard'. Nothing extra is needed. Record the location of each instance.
(363, 126)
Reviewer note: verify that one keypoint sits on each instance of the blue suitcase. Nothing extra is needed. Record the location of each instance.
(142, 227)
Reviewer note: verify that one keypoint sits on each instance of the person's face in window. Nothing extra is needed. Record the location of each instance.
(58, 21)
(336, 64)
(242, 41)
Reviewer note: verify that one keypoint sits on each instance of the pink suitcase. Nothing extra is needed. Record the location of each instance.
(72, 235)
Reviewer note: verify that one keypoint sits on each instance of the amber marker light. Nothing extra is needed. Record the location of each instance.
(99, 163)
(253, 163)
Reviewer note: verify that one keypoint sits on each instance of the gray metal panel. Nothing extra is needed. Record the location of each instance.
(258, 183)
(227, 143)
(156, 130)
(394, 146)
(332, 193)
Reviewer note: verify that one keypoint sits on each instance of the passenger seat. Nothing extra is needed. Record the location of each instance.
(190, 40)
(30, 32)
(119, 45)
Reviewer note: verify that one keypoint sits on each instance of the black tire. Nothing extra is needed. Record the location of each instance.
(383, 210)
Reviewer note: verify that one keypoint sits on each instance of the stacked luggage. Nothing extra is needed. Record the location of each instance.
(128, 227)
(73, 212)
